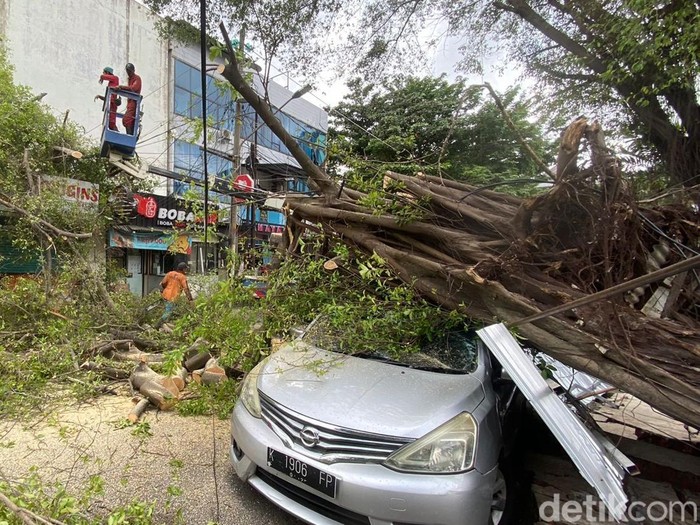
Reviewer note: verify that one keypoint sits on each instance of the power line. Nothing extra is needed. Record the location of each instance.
(326, 104)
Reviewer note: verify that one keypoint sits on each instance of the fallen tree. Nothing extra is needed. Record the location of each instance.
(495, 257)
(161, 391)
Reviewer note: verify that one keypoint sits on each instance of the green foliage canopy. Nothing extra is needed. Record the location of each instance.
(633, 64)
(431, 125)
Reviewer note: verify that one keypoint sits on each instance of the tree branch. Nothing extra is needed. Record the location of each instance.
(63, 233)
(583, 25)
(529, 15)
(567, 76)
(232, 73)
(99, 284)
(27, 516)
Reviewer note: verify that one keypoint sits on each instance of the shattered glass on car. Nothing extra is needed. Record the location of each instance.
(451, 351)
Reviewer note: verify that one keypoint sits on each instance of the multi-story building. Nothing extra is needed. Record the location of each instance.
(62, 47)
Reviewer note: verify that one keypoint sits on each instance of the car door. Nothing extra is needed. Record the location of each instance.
(600, 463)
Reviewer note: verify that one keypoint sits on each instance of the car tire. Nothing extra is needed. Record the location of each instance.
(501, 504)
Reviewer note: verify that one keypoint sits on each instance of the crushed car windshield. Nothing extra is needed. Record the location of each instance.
(450, 351)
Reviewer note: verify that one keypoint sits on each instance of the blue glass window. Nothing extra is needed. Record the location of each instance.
(188, 97)
(311, 140)
(189, 160)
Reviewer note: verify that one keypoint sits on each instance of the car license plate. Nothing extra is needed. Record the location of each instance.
(300, 471)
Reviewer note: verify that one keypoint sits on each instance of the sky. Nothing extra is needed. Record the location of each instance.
(329, 90)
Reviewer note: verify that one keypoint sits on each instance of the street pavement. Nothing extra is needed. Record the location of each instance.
(166, 453)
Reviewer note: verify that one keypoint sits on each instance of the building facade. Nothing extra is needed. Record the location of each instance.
(61, 48)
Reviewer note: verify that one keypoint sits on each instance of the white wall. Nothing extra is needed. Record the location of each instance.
(61, 46)
(298, 108)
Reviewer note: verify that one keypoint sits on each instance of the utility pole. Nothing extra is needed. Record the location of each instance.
(233, 212)
(203, 75)
(254, 169)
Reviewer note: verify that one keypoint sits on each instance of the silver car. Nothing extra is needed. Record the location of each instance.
(362, 439)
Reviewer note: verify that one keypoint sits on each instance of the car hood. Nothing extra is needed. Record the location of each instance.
(364, 394)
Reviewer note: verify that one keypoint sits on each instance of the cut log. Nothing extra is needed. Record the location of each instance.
(209, 378)
(214, 367)
(67, 152)
(197, 347)
(136, 356)
(197, 361)
(213, 372)
(170, 385)
(107, 348)
(197, 375)
(136, 338)
(143, 374)
(331, 264)
(179, 378)
(138, 410)
(157, 394)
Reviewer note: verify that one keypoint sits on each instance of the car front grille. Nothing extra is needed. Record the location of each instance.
(331, 444)
(311, 501)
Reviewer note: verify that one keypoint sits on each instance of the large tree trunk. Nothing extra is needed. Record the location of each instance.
(495, 257)
(679, 146)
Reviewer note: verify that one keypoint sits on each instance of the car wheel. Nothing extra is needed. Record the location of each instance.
(501, 500)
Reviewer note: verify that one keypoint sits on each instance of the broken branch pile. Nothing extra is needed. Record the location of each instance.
(152, 388)
(495, 257)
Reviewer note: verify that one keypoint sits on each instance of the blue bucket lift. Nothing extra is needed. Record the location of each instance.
(120, 142)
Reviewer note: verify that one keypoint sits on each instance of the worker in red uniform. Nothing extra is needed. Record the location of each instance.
(112, 82)
(134, 86)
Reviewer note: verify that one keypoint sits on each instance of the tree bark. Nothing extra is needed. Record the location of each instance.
(109, 372)
(136, 356)
(494, 257)
(143, 374)
(232, 73)
(158, 395)
(159, 390)
(197, 361)
(138, 410)
(679, 146)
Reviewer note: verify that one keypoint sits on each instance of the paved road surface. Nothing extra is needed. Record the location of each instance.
(76, 442)
(190, 453)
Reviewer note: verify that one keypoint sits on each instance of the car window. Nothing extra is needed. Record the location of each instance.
(453, 351)
(457, 350)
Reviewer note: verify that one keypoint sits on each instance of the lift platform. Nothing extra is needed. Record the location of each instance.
(119, 161)
(120, 142)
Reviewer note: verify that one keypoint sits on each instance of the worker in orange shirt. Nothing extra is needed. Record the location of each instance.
(173, 284)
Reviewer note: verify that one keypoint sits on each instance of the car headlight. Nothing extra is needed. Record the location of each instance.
(249, 390)
(448, 448)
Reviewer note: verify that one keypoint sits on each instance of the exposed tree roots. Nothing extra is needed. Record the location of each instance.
(499, 258)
